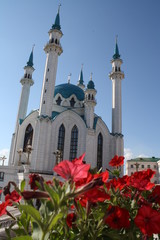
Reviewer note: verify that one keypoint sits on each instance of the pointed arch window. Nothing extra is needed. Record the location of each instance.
(28, 137)
(61, 137)
(74, 143)
(72, 102)
(59, 100)
(99, 151)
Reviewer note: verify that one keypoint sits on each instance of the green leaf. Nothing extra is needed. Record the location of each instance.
(54, 221)
(23, 183)
(19, 232)
(7, 230)
(37, 232)
(22, 238)
(32, 212)
(54, 196)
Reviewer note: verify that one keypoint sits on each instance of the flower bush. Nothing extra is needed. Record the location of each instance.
(86, 205)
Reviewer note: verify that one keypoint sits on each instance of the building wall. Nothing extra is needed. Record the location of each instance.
(31, 119)
(42, 158)
(131, 168)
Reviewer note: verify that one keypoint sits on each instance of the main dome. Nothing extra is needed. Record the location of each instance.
(67, 89)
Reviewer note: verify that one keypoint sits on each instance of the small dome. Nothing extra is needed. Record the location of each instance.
(90, 85)
(67, 89)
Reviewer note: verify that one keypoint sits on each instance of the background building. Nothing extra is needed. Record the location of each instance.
(140, 164)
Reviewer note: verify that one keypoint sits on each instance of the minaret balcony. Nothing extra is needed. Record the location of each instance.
(27, 81)
(117, 74)
(53, 47)
(91, 102)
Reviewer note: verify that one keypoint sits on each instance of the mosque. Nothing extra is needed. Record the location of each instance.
(66, 125)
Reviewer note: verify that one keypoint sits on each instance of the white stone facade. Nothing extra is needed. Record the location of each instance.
(66, 106)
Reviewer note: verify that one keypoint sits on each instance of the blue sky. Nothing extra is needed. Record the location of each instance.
(89, 29)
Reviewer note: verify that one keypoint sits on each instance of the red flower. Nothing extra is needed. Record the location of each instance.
(84, 181)
(13, 196)
(147, 220)
(97, 194)
(94, 195)
(117, 218)
(104, 176)
(3, 206)
(155, 195)
(49, 182)
(141, 180)
(72, 170)
(79, 160)
(27, 195)
(117, 161)
(71, 217)
(119, 183)
(33, 178)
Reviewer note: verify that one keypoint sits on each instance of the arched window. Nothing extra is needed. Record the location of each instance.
(99, 151)
(89, 97)
(61, 137)
(28, 137)
(59, 100)
(72, 102)
(74, 143)
(56, 41)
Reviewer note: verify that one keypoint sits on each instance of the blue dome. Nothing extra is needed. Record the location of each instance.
(90, 85)
(67, 89)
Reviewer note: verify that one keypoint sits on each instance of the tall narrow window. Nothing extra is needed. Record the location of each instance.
(59, 100)
(28, 137)
(74, 143)
(61, 138)
(99, 151)
(72, 102)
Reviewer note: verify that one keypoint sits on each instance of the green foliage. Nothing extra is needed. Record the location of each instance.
(60, 214)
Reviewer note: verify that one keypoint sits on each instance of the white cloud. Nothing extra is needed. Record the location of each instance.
(142, 156)
(4, 152)
(128, 154)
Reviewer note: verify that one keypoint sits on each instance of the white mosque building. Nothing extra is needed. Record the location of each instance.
(66, 125)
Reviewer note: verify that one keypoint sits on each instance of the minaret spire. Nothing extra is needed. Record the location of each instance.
(80, 79)
(30, 61)
(56, 24)
(116, 50)
(69, 78)
(59, 7)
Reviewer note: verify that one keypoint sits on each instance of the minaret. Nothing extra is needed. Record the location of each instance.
(52, 49)
(80, 80)
(26, 82)
(42, 155)
(116, 76)
(90, 103)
